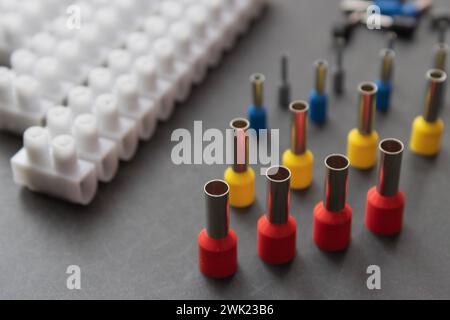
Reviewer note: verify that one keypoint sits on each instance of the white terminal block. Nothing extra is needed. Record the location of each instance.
(94, 50)
(247, 9)
(136, 57)
(101, 152)
(129, 11)
(237, 21)
(119, 62)
(134, 106)
(33, 13)
(48, 72)
(100, 80)
(53, 167)
(110, 26)
(155, 27)
(69, 56)
(174, 71)
(205, 36)
(123, 131)
(80, 100)
(172, 10)
(14, 34)
(229, 18)
(43, 44)
(21, 104)
(188, 51)
(23, 61)
(153, 87)
(138, 44)
(59, 29)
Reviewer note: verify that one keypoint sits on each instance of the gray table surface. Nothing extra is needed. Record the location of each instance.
(138, 238)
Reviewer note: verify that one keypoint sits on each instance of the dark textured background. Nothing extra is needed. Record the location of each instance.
(138, 238)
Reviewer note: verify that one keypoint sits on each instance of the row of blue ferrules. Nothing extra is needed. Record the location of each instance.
(318, 100)
(257, 114)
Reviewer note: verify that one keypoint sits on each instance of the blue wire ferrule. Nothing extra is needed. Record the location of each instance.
(318, 99)
(383, 95)
(257, 114)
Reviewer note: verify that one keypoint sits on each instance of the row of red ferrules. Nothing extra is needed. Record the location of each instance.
(276, 230)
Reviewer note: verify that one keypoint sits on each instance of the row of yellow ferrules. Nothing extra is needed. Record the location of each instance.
(426, 136)
(427, 129)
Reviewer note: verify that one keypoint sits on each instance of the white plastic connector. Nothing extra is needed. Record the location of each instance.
(172, 10)
(119, 62)
(204, 35)
(189, 52)
(110, 26)
(43, 44)
(100, 81)
(47, 71)
(23, 61)
(155, 27)
(123, 131)
(138, 44)
(153, 87)
(54, 169)
(171, 69)
(103, 153)
(80, 100)
(94, 51)
(146, 72)
(69, 56)
(131, 105)
(129, 10)
(21, 104)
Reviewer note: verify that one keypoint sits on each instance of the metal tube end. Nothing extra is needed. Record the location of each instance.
(217, 208)
(240, 144)
(387, 64)
(340, 44)
(299, 125)
(257, 81)
(391, 152)
(321, 67)
(392, 39)
(442, 30)
(285, 68)
(336, 182)
(435, 94)
(441, 51)
(366, 107)
(278, 178)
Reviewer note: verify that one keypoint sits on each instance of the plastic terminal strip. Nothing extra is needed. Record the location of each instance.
(112, 126)
(134, 78)
(21, 105)
(53, 167)
(101, 152)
